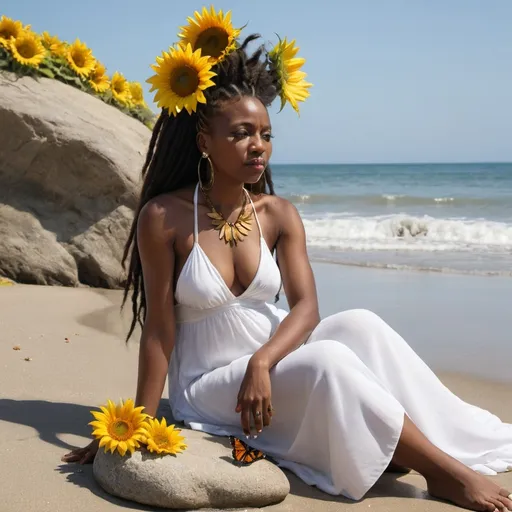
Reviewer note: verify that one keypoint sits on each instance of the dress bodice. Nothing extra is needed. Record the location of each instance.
(201, 287)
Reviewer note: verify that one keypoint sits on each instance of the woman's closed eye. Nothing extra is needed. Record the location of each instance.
(242, 134)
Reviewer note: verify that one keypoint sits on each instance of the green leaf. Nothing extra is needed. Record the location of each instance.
(46, 72)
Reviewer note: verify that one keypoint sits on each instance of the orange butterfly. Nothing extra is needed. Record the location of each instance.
(243, 454)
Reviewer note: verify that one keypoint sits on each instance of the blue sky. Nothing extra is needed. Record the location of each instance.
(394, 80)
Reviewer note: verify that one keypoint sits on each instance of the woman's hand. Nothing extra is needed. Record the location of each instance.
(82, 455)
(253, 400)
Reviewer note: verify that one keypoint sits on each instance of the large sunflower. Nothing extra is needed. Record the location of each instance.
(9, 29)
(136, 93)
(98, 78)
(293, 86)
(120, 88)
(80, 58)
(181, 77)
(162, 438)
(120, 427)
(54, 45)
(27, 49)
(210, 32)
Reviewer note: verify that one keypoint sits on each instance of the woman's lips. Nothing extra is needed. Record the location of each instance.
(258, 165)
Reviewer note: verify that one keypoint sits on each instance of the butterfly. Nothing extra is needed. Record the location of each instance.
(243, 454)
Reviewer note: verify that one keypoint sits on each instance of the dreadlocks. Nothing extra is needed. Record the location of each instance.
(172, 156)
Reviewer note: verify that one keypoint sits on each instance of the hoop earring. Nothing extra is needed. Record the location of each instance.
(205, 156)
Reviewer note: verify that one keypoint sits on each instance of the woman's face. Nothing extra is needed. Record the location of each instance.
(239, 139)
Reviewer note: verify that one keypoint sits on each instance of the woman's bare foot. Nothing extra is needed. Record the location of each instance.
(470, 490)
(447, 478)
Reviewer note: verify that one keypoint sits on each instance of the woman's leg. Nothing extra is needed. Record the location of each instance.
(447, 478)
(470, 434)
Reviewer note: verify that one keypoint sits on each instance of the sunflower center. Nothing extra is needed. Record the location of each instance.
(26, 49)
(184, 81)
(78, 59)
(161, 440)
(120, 430)
(8, 32)
(212, 42)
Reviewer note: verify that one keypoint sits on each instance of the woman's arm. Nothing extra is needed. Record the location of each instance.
(155, 243)
(299, 286)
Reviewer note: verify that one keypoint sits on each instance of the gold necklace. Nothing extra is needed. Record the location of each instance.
(231, 232)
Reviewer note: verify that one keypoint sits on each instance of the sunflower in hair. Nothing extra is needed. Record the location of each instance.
(181, 77)
(210, 32)
(294, 87)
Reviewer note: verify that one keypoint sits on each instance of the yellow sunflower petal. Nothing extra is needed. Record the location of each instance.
(100, 416)
(105, 440)
(294, 88)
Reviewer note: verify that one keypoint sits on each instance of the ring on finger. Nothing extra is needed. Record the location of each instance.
(257, 413)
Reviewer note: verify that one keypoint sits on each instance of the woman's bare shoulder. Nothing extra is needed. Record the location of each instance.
(275, 206)
(167, 210)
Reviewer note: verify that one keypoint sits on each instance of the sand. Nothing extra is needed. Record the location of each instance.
(78, 358)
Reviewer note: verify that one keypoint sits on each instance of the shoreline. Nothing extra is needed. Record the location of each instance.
(74, 339)
(409, 268)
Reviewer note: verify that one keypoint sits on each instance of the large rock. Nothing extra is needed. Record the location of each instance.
(69, 167)
(203, 476)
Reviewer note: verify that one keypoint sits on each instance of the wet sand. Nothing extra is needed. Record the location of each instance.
(457, 323)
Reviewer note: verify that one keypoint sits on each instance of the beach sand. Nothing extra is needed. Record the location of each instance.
(75, 341)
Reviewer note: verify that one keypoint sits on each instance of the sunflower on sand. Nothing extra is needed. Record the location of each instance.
(210, 32)
(27, 49)
(287, 65)
(181, 77)
(80, 58)
(121, 427)
(162, 438)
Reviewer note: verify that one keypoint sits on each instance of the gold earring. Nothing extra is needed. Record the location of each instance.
(205, 156)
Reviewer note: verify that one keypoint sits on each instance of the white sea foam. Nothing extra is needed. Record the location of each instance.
(392, 197)
(410, 233)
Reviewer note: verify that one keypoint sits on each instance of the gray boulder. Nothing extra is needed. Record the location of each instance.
(203, 476)
(71, 164)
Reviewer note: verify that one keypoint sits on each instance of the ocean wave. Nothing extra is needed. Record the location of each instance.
(396, 200)
(406, 232)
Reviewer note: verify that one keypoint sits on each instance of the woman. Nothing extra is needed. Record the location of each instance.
(336, 401)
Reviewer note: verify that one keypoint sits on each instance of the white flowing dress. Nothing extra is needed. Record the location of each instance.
(339, 399)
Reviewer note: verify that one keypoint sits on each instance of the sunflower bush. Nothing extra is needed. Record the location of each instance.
(124, 428)
(26, 53)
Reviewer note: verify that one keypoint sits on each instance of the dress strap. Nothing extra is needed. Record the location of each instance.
(254, 211)
(196, 233)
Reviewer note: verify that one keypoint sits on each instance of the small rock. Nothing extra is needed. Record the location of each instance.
(16, 347)
(203, 476)
(28, 359)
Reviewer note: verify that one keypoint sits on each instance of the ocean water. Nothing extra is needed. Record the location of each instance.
(437, 217)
